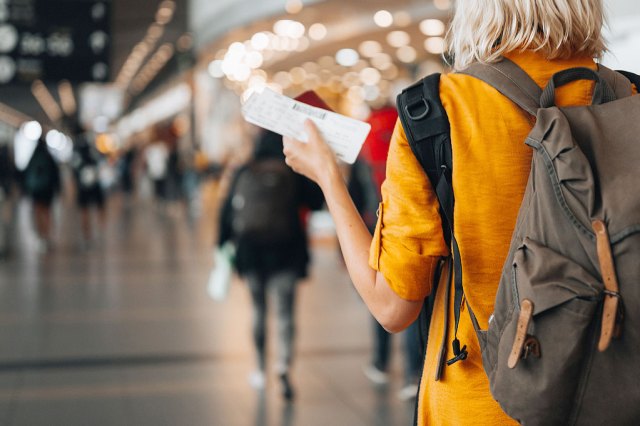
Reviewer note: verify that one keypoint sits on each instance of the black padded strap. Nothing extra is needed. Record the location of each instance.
(511, 81)
(427, 128)
(426, 125)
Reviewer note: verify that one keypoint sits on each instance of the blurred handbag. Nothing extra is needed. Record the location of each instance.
(221, 272)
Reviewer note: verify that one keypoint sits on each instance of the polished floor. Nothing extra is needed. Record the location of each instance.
(123, 333)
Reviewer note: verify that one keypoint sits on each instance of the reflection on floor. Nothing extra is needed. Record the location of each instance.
(123, 333)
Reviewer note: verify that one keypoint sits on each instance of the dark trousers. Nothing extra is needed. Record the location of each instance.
(283, 286)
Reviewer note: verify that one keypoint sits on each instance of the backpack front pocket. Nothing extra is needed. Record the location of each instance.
(544, 342)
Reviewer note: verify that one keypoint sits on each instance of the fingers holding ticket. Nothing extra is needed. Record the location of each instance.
(313, 159)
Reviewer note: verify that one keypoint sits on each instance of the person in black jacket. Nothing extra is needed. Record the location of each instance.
(275, 265)
(42, 183)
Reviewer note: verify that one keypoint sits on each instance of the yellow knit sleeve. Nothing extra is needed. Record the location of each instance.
(408, 239)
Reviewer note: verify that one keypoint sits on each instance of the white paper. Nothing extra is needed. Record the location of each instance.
(286, 117)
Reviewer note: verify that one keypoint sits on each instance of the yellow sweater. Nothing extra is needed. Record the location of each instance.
(491, 164)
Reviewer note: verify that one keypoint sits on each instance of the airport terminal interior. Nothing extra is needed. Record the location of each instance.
(111, 312)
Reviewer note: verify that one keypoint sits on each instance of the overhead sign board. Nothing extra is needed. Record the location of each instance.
(54, 40)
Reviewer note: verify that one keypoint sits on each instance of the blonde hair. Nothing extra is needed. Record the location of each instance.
(484, 30)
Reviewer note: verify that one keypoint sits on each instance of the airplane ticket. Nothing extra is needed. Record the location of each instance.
(286, 116)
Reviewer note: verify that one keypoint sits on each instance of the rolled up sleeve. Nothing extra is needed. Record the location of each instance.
(408, 241)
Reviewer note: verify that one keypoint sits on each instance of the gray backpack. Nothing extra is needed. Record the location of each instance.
(563, 344)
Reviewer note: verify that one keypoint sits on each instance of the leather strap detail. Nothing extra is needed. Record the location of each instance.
(526, 313)
(612, 307)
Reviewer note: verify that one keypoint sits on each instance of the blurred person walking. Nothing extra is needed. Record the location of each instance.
(42, 183)
(264, 215)
(89, 191)
(157, 156)
(7, 171)
(127, 173)
(393, 270)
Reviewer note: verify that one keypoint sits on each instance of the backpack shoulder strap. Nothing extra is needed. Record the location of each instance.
(426, 126)
(617, 81)
(633, 78)
(511, 81)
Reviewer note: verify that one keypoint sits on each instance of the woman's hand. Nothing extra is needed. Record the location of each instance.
(313, 159)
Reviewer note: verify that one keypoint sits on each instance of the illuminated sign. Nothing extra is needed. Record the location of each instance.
(54, 40)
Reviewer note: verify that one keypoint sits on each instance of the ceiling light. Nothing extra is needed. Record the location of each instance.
(254, 60)
(381, 61)
(260, 41)
(298, 75)
(32, 130)
(406, 54)
(350, 79)
(347, 57)
(432, 27)
(383, 18)
(293, 6)
(371, 93)
(289, 28)
(355, 94)
(215, 69)
(241, 73)
(442, 4)
(283, 79)
(370, 48)
(237, 47)
(257, 82)
(165, 12)
(370, 76)
(434, 45)
(317, 31)
(398, 38)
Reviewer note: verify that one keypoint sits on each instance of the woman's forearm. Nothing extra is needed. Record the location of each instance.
(392, 312)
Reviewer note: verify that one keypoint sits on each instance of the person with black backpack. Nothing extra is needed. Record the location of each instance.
(42, 183)
(544, 340)
(89, 191)
(264, 217)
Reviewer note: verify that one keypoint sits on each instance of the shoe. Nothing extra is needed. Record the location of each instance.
(287, 390)
(257, 380)
(376, 376)
(408, 392)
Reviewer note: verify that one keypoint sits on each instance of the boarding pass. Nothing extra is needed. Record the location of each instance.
(286, 117)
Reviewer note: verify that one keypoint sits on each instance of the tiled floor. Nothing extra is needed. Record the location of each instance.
(124, 334)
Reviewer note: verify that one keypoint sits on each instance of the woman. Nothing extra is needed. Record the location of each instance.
(274, 264)
(393, 270)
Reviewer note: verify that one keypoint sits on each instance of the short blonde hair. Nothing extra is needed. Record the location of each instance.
(484, 30)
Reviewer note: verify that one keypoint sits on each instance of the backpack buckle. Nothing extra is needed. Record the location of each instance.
(460, 354)
(418, 115)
